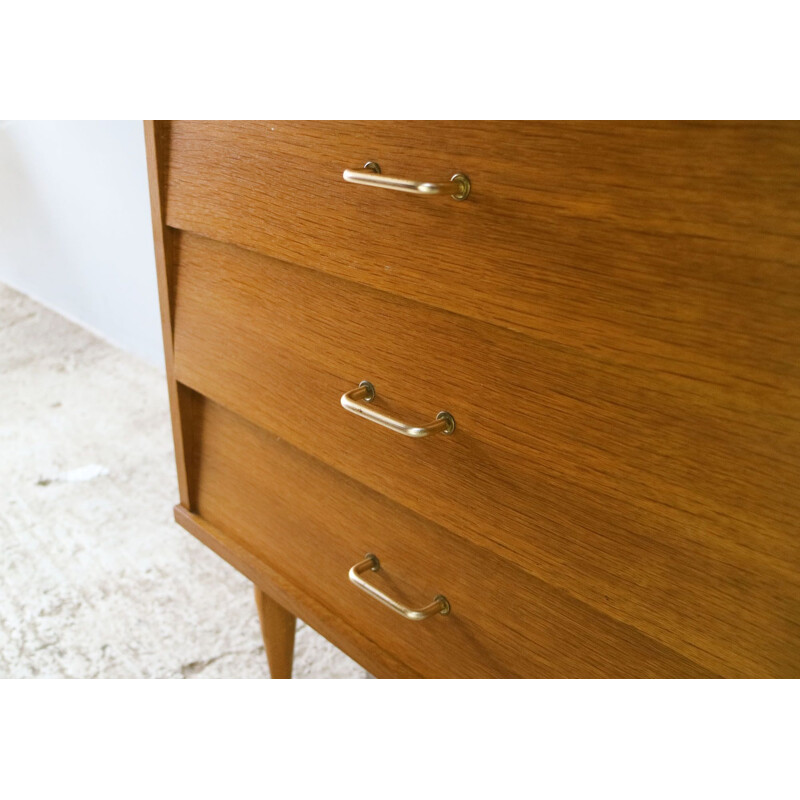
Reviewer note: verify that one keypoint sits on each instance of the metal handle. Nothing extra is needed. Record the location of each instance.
(366, 392)
(370, 562)
(458, 186)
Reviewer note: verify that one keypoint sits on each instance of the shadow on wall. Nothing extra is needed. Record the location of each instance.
(75, 230)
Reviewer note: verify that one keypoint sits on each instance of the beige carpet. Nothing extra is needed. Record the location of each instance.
(96, 580)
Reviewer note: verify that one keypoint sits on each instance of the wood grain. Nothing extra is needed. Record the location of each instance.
(292, 597)
(678, 242)
(156, 135)
(312, 524)
(613, 318)
(670, 509)
(278, 627)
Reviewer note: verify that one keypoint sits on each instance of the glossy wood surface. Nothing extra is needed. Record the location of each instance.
(668, 510)
(312, 524)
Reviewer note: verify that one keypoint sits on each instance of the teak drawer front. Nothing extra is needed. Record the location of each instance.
(667, 504)
(677, 242)
(312, 524)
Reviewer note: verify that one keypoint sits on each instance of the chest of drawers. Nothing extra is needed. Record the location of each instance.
(610, 319)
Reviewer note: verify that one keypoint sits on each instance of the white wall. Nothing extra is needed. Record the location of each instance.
(75, 230)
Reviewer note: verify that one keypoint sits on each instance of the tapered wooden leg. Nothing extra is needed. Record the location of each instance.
(277, 629)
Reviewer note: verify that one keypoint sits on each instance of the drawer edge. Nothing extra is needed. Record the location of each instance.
(294, 599)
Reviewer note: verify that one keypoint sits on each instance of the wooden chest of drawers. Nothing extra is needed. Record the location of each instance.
(611, 317)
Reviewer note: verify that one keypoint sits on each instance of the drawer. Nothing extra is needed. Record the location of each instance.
(664, 503)
(311, 524)
(673, 242)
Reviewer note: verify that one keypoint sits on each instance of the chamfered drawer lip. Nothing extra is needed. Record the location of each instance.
(547, 447)
(292, 597)
(311, 524)
(722, 263)
(562, 217)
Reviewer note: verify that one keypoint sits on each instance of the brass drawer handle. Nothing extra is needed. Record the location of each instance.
(366, 392)
(370, 562)
(370, 175)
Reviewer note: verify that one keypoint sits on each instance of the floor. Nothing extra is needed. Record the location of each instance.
(97, 580)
